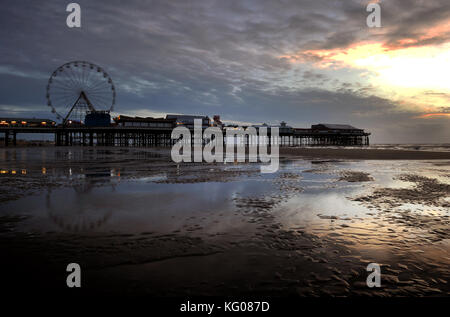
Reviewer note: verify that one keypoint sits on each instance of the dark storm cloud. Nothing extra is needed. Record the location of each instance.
(204, 56)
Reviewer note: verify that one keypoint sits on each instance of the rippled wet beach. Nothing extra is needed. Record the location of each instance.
(140, 224)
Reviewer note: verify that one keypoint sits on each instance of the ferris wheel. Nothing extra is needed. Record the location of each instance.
(79, 87)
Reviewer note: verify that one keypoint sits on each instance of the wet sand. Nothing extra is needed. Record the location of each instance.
(140, 225)
(364, 154)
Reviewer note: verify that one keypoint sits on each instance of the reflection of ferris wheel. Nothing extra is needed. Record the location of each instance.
(79, 213)
(78, 87)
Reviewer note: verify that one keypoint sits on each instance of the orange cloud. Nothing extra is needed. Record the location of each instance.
(338, 57)
(437, 34)
(431, 115)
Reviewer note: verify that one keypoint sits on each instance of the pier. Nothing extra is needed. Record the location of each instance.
(161, 136)
(86, 119)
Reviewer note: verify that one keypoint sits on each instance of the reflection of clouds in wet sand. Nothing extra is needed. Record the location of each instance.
(310, 229)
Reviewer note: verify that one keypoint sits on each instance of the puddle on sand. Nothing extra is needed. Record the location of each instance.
(307, 210)
(133, 207)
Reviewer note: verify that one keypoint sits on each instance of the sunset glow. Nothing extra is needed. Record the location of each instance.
(431, 115)
(417, 75)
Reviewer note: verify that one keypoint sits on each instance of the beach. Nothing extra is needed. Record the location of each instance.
(365, 153)
(139, 224)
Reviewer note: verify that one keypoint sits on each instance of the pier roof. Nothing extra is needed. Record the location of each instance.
(333, 126)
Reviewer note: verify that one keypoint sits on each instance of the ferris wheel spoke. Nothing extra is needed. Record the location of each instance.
(97, 85)
(63, 94)
(76, 75)
(68, 76)
(102, 106)
(102, 83)
(62, 82)
(92, 78)
(96, 78)
(83, 73)
(99, 95)
(88, 74)
(68, 80)
(102, 78)
(98, 101)
(99, 92)
(106, 100)
(71, 80)
(68, 96)
(64, 102)
(82, 76)
(88, 77)
(61, 89)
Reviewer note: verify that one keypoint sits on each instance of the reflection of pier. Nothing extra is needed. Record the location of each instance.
(319, 135)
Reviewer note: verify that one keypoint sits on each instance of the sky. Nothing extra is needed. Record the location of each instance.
(257, 61)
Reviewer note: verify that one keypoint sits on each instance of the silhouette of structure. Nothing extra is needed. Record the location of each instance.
(138, 131)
